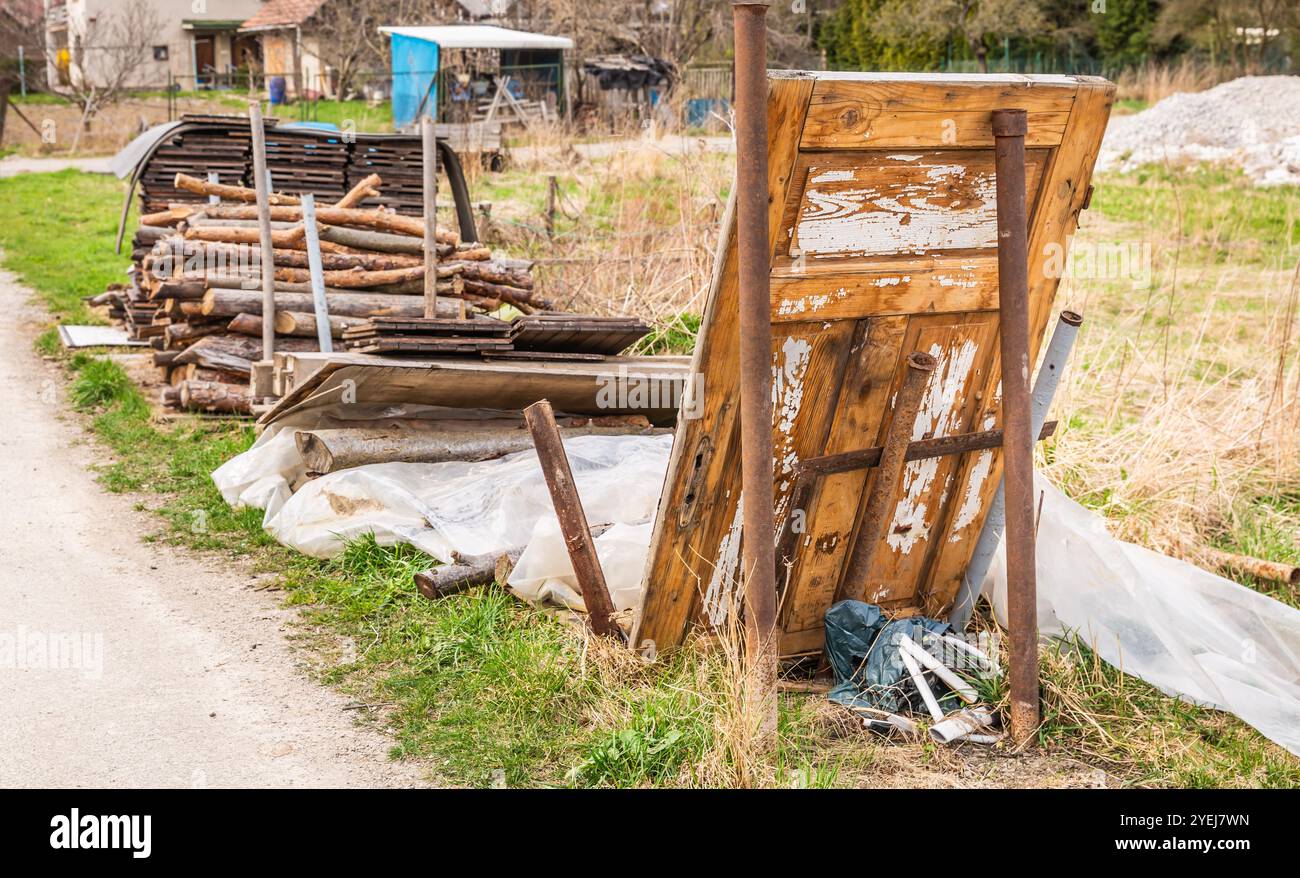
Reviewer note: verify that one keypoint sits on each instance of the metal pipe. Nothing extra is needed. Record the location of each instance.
(317, 274)
(893, 457)
(261, 183)
(1009, 129)
(572, 517)
(1045, 385)
(429, 143)
(754, 252)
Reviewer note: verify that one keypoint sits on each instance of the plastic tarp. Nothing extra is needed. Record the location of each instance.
(456, 510)
(415, 64)
(862, 647)
(1183, 630)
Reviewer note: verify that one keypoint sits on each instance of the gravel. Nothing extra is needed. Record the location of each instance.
(1252, 122)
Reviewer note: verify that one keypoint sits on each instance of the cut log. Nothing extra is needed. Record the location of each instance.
(235, 353)
(367, 187)
(450, 579)
(382, 242)
(299, 323)
(227, 192)
(213, 396)
(381, 220)
(219, 234)
(327, 451)
(231, 303)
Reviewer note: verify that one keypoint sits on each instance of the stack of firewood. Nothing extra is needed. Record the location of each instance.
(195, 291)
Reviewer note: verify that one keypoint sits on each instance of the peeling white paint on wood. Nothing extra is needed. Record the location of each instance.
(789, 368)
(718, 596)
(938, 416)
(970, 504)
(809, 304)
(836, 175)
(930, 206)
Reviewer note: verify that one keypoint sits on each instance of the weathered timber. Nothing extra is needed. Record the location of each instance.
(573, 519)
(227, 192)
(211, 396)
(326, 451)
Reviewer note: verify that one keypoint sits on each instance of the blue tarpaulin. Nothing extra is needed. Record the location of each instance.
(415, 64)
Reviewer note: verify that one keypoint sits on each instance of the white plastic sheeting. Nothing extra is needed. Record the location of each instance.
(445, 509)
(1188, 632)
(1181, 629)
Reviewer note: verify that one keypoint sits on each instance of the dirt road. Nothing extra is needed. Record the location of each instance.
(122, 664)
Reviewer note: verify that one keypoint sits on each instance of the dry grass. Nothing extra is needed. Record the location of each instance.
(1183, 398)
(1154, 82)
(633, 229)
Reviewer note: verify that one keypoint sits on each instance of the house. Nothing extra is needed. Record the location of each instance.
(320, 47)
(89, 41)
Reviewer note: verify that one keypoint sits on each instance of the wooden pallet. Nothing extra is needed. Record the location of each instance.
(883, 232)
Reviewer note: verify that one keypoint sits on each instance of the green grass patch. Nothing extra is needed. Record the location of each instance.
(58, 237)
(1223, 216)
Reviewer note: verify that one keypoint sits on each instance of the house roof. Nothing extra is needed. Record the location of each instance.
(480, 36)
(276, 14)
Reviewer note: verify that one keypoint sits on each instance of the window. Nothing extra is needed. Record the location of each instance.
(160, 53)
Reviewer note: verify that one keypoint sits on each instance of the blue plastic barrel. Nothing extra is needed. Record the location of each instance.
(278, 89)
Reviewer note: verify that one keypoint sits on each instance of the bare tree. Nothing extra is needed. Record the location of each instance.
(349, 37)
(972, 21)
(107, 56)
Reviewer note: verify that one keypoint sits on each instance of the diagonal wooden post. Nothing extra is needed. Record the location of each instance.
(573, 519)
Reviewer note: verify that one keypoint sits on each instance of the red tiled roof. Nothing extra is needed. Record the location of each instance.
(282, 13)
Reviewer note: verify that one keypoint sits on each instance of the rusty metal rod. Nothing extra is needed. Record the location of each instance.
(573, 518)
(754, 252)
(1009, 128)
(1273, 571)
(893, 457)
(920, 449)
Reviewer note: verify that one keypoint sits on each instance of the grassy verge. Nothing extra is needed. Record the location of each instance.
(488, 690)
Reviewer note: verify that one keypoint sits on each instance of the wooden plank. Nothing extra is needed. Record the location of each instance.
(1054, 219)
(888, 202)
(832, 508)
(867, 114)
(963, 344)
(876, 289)
(701, 497)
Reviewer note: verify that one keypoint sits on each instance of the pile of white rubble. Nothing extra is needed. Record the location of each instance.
(1252, 122)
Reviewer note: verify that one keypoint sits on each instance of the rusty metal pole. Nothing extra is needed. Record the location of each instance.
(573, 518)
(880, 504)
(754, 253)
(1009, 128)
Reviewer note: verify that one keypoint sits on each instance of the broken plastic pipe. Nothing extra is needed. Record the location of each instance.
(918, 679)
(967, 724)
(1045, 384)
(976, 653)
(953, 682)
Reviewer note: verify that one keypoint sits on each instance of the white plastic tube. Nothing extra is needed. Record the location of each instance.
(955, 683)
(921, 686)
(964, 725)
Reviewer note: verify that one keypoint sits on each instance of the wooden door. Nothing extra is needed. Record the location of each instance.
(883, 232)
